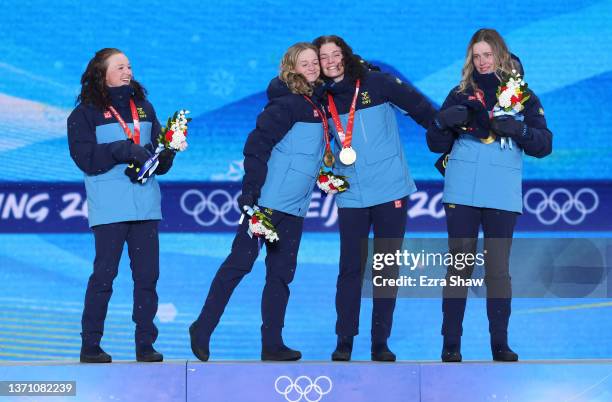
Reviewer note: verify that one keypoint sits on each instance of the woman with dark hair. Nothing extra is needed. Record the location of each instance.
(372, 158)
(112, 127)
(482, 184)
(282, 157)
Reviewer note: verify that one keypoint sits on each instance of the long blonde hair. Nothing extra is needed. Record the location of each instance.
(503, 60)
(295, 81)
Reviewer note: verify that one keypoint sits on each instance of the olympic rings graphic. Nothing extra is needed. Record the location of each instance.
(208, 207)
(303, 387)
(561, 210)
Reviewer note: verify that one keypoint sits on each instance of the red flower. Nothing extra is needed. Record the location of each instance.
(332, 187)
(504, 88)
(169, 135)
(514, 99)
(254, 220)
(323, 178)
(185, 133)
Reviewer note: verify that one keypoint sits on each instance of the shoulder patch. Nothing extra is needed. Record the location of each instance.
(541, 111)
(398, 80)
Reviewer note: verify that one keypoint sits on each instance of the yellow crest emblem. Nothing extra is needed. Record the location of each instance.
(365, 98)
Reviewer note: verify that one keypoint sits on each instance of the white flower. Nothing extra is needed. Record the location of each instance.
(504, 99)
(259, 229)
(177, 141)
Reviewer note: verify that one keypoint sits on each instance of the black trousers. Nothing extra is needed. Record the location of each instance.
(142, 238)
(463, 223)
(281, 262)
(388, 221)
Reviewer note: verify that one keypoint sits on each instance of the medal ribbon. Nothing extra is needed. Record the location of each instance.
(323, 116)
(124, 126)
(351, 119)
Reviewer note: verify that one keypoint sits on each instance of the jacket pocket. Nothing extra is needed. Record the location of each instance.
(510, 158)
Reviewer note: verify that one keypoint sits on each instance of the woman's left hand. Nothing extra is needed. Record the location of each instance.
(507, 126)
(166, 157)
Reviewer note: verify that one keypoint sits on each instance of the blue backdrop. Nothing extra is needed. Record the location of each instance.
(216, 59)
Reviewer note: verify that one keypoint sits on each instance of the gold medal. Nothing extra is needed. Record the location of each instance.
(328, 159)
(491, 138)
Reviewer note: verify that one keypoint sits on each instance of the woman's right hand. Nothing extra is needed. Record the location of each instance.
(452, 117)
(140, 154)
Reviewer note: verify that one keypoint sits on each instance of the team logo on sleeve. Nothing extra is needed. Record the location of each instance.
(541, 112)
(141, 113)
(365, 98)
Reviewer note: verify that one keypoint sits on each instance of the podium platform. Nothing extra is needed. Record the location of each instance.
(189, 381)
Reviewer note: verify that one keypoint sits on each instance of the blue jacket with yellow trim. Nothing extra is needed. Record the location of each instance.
(283, 154)
(485, 175)
(99, 147)
(380, 174)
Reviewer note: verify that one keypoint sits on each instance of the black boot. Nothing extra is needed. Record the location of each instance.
(503, 353)
(94, 354)
(451, 350)
(280, 354)
(381, 353)
(147, 354)
(201, 352)
(344, 348)
(500, 349)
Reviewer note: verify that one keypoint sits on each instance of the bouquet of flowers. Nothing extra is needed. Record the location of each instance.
(260, 225)
(330, 183)
(511, 98)
(172, 137)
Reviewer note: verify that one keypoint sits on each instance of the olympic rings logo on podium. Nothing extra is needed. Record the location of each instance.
(303, 387)
(560, 209)
(209, 210)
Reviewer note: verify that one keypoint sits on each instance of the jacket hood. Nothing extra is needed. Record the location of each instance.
(277, 88)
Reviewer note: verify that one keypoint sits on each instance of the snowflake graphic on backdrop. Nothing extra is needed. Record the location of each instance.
(221, 83)
(234, 172)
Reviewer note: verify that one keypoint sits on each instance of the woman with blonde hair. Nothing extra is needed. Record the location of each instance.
(482, 184)
(282, 157)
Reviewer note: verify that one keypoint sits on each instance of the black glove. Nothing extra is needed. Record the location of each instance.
(507, 126)
(479, 124)
(140, 154)
(165, 161)
(454, 116)
(245, 200)
(132, 171)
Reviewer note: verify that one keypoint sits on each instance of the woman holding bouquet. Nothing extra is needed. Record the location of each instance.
(372, 159)
(111, 133)
(482, 184)
(282, 157)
